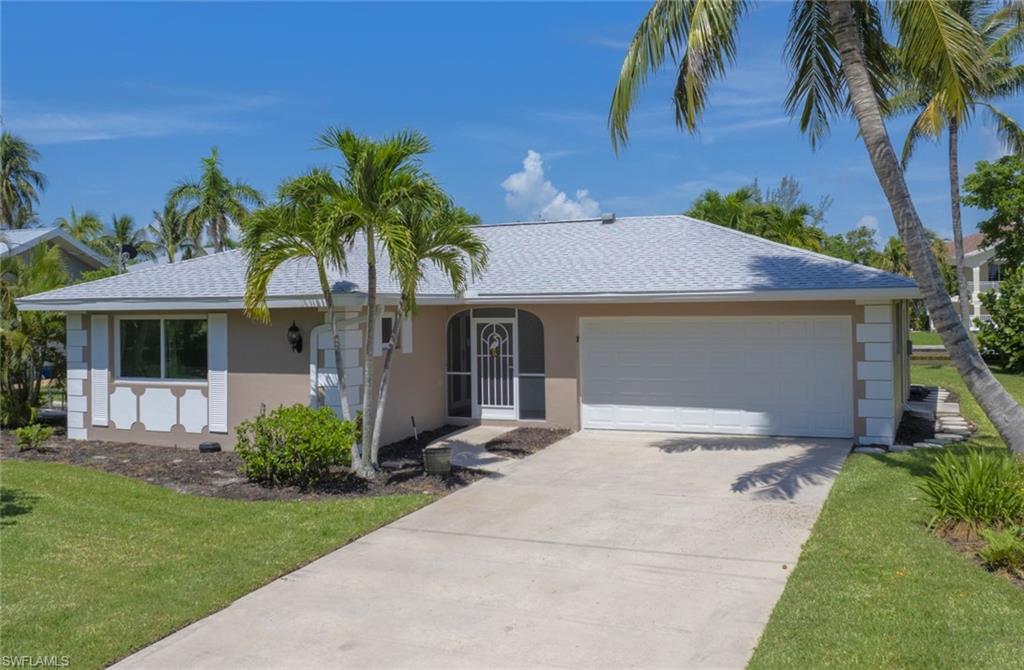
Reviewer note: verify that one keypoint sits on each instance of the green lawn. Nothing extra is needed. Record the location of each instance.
(924, 337)
(95, 565)
(875, 589)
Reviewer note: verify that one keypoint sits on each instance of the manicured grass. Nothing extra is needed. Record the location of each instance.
(95, 566)
(924, 337)
(873, 588)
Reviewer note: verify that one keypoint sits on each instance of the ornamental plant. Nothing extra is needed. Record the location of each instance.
(294, 446)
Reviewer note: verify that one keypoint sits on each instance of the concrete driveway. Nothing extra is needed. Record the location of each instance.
(604, 550)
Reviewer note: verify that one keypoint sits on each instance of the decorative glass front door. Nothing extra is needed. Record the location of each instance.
(495, 368)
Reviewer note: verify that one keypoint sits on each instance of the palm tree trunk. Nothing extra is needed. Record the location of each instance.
(339, 363)
(958, 231)
(385, 377)
(1000, 407)
(367, 468)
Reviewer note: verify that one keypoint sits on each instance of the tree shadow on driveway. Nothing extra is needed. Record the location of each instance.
(816, 464)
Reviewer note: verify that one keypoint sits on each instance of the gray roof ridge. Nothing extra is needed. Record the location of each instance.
(808, 252)
(592, 219)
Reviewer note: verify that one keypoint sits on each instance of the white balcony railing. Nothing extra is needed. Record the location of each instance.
(983, 286)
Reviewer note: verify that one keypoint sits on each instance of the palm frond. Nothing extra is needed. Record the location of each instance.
(699, 34)
(938, 44)
(1008, 130)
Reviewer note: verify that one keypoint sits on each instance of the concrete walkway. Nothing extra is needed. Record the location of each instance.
(468, 448)
(605, 550)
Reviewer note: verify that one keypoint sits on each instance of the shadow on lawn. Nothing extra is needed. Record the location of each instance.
(13, 503)
(778, 480)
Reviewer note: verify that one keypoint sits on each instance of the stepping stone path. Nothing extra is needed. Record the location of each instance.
(950, 426)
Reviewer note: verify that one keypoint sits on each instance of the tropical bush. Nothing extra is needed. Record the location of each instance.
(294, 445)
(1002, 340)
(28, 340)
(973, 490)
(32, 437)
(1004, 549)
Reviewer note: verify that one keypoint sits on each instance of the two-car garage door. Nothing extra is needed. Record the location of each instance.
(737, 375)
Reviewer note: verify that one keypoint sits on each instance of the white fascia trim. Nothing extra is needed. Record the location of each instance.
(194, 304)
(358, 299)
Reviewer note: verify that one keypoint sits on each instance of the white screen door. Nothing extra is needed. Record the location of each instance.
(495, 358)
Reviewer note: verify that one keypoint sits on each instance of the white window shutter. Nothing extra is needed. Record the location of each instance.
(217, 376)
(99, 364)
(406, 340)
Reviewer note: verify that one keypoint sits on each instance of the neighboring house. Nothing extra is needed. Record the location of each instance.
(982, 270)
(78, 257)
(641, 323)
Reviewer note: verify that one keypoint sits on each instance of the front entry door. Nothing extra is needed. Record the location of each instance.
(494, 357)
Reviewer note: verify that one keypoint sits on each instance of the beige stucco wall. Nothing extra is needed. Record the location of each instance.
(561, 347)
(262, 370)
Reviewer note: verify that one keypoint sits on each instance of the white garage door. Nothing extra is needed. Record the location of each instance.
(741, 375)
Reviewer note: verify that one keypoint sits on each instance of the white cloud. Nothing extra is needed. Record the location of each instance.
(867, 221)
(529, 193)
(187, 113)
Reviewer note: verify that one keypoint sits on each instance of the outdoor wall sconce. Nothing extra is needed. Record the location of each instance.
(295, 338)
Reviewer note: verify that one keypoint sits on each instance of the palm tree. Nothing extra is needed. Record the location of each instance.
(731, 210)
(302, 224)
(170, 231)
(85, 227)
(123, 232)
(841, 63)
(215, 201)
(441, 236)
(381, 180)
(20, 183)
(1003, 36)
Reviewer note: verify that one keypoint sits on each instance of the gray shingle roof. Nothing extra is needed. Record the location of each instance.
(632, 256)
(18, 241)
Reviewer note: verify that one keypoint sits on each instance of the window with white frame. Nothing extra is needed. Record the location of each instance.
(162, 348)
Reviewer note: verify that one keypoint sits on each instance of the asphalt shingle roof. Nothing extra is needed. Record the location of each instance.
(632, 255)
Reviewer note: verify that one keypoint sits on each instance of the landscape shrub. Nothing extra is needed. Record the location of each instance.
(294, 445)
(1002, 339)
(1004, 549)
(32, 436)
(984, 487)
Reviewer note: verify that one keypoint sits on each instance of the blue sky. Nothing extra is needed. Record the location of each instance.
(123, 100)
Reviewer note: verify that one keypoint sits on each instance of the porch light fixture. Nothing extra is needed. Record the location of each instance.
(295, 338)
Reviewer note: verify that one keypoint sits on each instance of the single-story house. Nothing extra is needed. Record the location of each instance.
(77, 255)
(660, 323)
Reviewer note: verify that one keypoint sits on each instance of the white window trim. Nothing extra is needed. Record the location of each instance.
(161, 380)
(404, 344)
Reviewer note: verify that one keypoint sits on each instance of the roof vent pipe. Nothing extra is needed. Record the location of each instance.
(608, 217)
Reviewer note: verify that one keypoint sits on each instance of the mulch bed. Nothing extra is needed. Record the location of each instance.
(217, 474)
(521, 442)
(969, 550)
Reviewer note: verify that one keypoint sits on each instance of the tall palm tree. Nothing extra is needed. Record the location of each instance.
(731, 210)
(214, 201)
(1003, 36)
(85, 227)
(169, 231)
(123, 232)
(841, 63)
(441, 236)
(20, 183)
(302, 224)
(381, 179)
